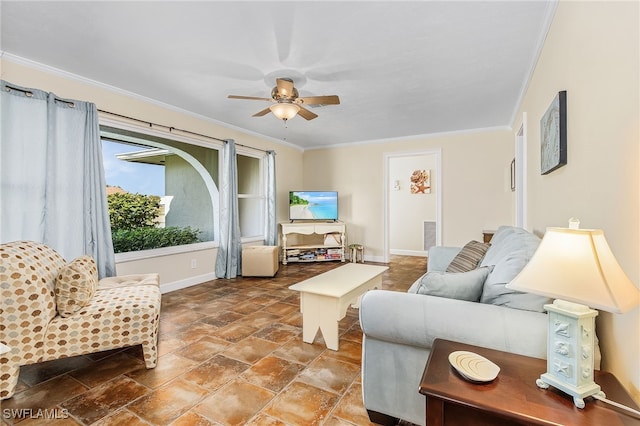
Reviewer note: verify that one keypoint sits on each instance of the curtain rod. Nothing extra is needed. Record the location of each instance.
(171, 128)
(29, 93)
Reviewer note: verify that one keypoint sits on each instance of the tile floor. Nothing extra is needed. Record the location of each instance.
(231, 353)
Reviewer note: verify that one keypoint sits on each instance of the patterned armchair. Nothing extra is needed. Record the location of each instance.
(52, 309)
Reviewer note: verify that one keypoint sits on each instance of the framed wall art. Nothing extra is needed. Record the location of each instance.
(420, 182)
(553, 135)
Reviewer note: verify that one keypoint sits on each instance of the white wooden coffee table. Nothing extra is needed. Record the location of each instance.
(324, 299)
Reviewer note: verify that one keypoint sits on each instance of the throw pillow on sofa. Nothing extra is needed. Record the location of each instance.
(521, 248)
(455, 285)
(76, 284)
(469, 257)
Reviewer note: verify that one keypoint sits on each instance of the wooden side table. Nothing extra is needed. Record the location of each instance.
(513, 397)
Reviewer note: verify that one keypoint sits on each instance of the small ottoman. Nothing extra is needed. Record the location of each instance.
(259, 261)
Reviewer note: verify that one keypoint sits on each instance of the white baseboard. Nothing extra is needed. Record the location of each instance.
(419, 253)
(187, 282)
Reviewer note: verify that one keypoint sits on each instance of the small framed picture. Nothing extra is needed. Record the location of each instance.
(553, 135)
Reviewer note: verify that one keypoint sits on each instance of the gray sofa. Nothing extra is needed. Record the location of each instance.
(399, 328)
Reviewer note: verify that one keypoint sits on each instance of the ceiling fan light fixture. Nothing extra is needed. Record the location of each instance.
(284, 111)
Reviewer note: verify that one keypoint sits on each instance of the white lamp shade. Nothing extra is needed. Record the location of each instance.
(577, 265)
(284, 111)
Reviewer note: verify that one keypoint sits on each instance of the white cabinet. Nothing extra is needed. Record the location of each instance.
(312, 241)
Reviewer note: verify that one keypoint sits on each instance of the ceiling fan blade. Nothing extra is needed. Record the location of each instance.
(261, 113)
(306, 114)
(320, 100)
(251, 98)
(285, 87)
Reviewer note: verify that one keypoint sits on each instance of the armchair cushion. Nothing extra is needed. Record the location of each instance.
(455, 285)
(469, 257)
(75, 285)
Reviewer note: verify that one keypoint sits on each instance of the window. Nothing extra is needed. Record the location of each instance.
(251, 198)
(183, 172)
(183, 175)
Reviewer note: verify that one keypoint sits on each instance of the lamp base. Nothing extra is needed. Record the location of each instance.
(570, 351)
(578, 393)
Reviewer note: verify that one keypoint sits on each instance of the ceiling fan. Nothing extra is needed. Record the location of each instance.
(287, 103)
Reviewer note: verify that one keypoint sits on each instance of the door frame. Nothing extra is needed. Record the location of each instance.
(387, 185)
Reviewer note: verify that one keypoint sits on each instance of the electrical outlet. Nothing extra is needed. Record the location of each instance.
(194, 263)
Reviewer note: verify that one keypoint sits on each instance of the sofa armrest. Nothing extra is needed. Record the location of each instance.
(416, 320)
(440, 257)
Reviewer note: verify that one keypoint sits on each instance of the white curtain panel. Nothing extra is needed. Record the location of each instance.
(52, 177)
(229, 260)
(271, 231)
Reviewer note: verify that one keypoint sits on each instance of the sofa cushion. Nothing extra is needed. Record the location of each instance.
(455, 285)
(469, 257)
(502, 243)
(517, 248)
(76, 284)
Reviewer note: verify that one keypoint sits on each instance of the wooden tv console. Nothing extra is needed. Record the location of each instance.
(310, 243)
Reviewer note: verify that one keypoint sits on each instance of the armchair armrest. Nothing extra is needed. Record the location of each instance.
(416, 320)
(129, 280)
(440, 257)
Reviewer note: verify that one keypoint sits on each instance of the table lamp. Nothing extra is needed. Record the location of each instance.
(577, 268)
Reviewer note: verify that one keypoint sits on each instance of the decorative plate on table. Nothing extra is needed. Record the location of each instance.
(473, 367)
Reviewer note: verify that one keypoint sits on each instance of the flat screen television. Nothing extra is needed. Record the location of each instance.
(313, 205)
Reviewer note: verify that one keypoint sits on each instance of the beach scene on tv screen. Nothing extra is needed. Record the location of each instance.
(313, 205)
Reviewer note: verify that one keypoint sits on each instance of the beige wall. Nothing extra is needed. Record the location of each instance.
(592, 52)
(173, 269)
(475, 186)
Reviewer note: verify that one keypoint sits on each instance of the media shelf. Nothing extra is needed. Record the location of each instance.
(313, 241)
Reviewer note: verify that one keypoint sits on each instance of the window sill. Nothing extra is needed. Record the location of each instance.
(164, 251)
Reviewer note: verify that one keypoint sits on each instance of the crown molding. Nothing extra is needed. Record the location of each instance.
(18, 60)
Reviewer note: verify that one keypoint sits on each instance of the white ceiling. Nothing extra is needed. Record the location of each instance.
(401, 68)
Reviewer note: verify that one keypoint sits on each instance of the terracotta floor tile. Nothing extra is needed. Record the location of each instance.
(169, 402)
(336, 421)
(251, 349)
(169, 342)
(216, 372)
(279, 333)
(192, 419)
(47, 394)
(329, 374)
(169, 367)
(102, 400)
(348, 351)
(110, 367)
(33, 374)
(302, 404)
(222, 318)
(244, 308)
(280, 308)
(234, 332)
(354, 334)
(298, 351)
(197, 331)
(121, 417)
(350, 407)
(264, 420)
(272, 373)
(234, 404)
(203, 349)
(181, 316)
(259, 319)
(294, 319)
(60, 418)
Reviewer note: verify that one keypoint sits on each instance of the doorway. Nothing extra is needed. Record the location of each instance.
(413, 219)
